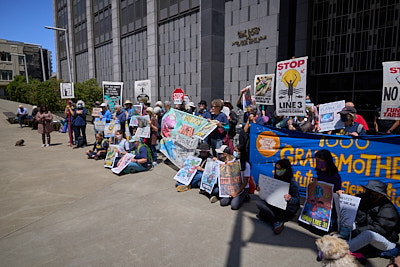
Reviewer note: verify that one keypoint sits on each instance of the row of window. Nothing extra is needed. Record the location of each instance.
(6, 75)
(5, 56)
(171, 8)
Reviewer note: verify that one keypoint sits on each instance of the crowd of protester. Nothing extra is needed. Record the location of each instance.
(377, 223)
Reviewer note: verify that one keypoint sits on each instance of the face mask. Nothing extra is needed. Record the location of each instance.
(308, 101)
(280, 172)
(320, 165)
(119, 137)
(79, 106)
(344, 118)
(236, 154)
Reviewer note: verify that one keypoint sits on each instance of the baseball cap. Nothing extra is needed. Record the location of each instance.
(348, 110)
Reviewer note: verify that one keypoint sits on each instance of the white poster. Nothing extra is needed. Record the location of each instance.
(210, 175)
(329, 119)
(346, 209)
(122, 163)
(187, 172)
(291, 84)
(273, 190)
(143, 90)
(264, 89)
(67, 90)
(390, 109)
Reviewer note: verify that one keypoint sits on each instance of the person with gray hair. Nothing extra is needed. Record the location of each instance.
(79, 115)
(167, 106)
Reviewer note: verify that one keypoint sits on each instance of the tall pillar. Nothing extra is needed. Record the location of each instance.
(116, 40)
(57, 55)
(212, 49)
(152, 48)
(90, 39)
(71, 46)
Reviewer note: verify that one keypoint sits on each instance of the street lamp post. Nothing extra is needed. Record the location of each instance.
(41, 58)
(70, 74)
(26, 68)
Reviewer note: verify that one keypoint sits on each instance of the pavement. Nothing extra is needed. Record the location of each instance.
(60, 209)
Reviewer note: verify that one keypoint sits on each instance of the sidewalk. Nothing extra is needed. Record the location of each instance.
(60, 209)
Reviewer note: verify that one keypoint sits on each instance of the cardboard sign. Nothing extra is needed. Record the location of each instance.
(96, 112)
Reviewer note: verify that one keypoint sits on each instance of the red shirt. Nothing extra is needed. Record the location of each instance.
(361, 121)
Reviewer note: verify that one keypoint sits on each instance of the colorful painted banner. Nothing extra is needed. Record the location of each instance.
(99, 124)
(273, 191)
(291, 87)
(210, 175)
(188, 170)
(230, 179)
(246, 98)
(317, 209)
(390, 109)
(329, 119)
(179, 130)
(112, 152)
(137, 110)
(143, 90)
(111, 127)
(264, 89)
(358, 159)
(204, 131)
(112, 94)
(122, 163)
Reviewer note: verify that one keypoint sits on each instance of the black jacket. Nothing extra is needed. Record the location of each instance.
(381, 217)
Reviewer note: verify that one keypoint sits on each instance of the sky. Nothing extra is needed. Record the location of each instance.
(24, 21)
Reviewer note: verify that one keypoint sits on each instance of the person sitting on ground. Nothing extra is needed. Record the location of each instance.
(348, 115)
(140, 162)
(237, 198)
(22, 114)
(358, 118)
(376, 221)
(105, 113)
(123, 145)
(383, 126)
(204, 151)
(99, 150)
(203, 112)
(276, 216)
(33, 115)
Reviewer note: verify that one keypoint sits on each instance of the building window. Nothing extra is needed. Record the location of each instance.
(5, 56)
(80, 34)
(133, 15)
(171, 8)
(62, 22)
(102, 21)
(6, 75)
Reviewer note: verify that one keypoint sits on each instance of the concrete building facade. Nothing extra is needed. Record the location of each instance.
(12, 62)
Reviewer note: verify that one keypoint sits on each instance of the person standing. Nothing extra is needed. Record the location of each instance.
(33, 115)
(153, 123)
(22, 114)
(45, 126)
(218, 135)
(120, 116)
(80, 121)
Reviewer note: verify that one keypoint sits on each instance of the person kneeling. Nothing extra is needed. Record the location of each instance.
(276, 216)
(99, 148)
(140, 162)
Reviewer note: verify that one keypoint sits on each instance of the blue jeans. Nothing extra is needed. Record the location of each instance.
(195, 183)
(235, 202)
(21, 118)
(137, 167)
(154, 152)
(369, 237)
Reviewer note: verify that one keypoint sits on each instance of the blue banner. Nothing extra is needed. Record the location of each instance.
(358, 159)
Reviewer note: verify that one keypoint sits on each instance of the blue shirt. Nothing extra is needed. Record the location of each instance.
(121, 118)
(80, 119)
(23, 112)
(141, 154)
(351, 129)
(106, 115)
(206, 114)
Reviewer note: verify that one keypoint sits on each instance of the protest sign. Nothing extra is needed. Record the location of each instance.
(134, 121)
(204, 131)
(390, 109)
(246, 98)
(143, 128)
(99, 124)
(112, 94)
(137, 110)
(357, 159)
(127, 131)
(346, 206)
(318, 206)
(178, 130)
(210, 175)
(96, 112)
(112, 152)
(111, 128)
(264, 89)
(230, 179)
(291, 87)
(143, 90)
(273, 190)
(177, 96)
(67, 90)
(187, 172)
(122, 163)
(329, 119)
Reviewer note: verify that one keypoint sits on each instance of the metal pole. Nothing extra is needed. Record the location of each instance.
(69, 66)
(26, 70)
(43, 69)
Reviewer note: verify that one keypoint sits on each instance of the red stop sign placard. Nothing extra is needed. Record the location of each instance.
(177, 96)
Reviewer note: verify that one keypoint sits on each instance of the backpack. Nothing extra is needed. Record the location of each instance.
(80, 142)
(149, 155)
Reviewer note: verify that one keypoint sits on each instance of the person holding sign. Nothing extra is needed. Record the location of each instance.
(105, 113)
(237, 198)
(218, 135)
(276, 216)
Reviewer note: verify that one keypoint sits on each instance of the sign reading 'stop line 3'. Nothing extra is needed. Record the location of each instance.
(291, 84)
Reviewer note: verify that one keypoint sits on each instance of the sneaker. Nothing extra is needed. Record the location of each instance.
(43, 145)
(183, 188)
(154, 163)
(390, 253)
(47, 145)
(213, 199)
(278, 227)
